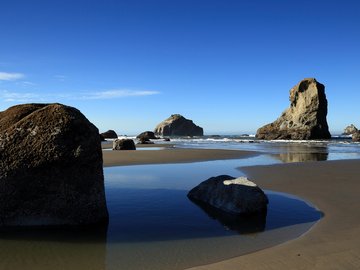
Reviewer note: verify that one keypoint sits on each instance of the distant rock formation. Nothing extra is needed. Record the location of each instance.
(350, 130)
(51, 167)
(235, 196)
(110, 134)
(123, 144)
(306, 117)
(177, 125)
(356, 136)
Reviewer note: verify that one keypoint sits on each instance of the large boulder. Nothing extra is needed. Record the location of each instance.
(51, 167)
(177, 125)
(356, 136)
(123, 144)
(110, 134)
(233, 195)
(350, 130)
(305, 119)
(146, 136)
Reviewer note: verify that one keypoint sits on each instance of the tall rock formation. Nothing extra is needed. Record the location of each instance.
(177, 125)
(305, 119)
(50, 167)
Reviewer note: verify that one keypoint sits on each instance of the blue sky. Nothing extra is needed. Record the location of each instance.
(228, 65)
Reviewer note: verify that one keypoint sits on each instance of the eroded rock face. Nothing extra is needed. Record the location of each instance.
(177, 125)
(110, 134)
(356, 136)
(306, 117)
(50, 167)
(123, 144)
(350, 130)
(232, 195)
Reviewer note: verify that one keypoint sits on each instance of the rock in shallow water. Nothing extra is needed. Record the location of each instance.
(232, 195)
(50, 167)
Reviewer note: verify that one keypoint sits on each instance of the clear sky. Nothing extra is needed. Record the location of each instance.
(226, 64)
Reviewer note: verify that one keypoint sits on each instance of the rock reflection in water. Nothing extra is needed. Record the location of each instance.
(242, 224)
(299, 152)
(301, 157)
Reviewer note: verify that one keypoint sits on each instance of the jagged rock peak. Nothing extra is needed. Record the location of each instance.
(305, 119)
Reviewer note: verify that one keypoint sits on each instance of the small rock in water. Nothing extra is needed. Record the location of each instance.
(232, 195)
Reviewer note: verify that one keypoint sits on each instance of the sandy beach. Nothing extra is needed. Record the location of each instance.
(169, 155)
(332, 186)
(334, 242)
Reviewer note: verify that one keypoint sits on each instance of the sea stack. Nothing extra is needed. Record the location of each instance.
(305, 119)
(178, 125)
(50, 167)
(349, 130)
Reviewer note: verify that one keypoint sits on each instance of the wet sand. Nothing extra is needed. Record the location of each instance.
(168, 155)
(334, 242)
(332, 186)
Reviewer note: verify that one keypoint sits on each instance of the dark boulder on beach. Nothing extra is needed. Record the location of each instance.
(147, 135)
(51, 167)
(110, 134)
(177, 125)
(305, 119)
(233, 195)
(123, 144)
(349, 130)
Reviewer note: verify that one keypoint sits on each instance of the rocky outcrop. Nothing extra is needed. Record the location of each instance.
(236, 196)
(51, 167)
(350, 130)
(110, 134)
(123, 144)
(306, 117)
(356, 136)
(177, 125)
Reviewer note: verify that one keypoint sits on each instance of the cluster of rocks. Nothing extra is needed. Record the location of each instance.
(305, 119)
(51, 167)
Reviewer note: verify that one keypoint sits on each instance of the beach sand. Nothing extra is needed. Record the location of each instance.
(334, 242)
(168, 155)
(332, 186)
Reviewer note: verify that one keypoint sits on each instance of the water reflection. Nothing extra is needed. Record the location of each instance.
(301, 157)
(242, 224)
(296, 152)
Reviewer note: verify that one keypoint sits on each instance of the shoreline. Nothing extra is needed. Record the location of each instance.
(169, 155)
(333, 242)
